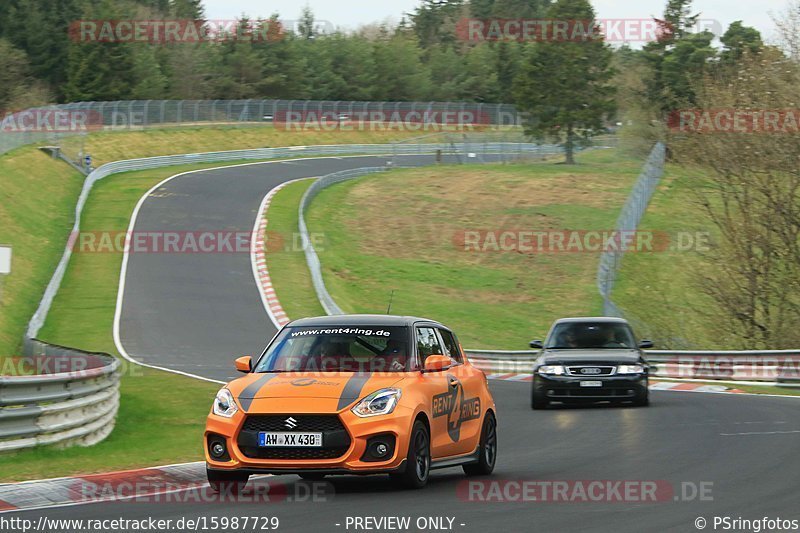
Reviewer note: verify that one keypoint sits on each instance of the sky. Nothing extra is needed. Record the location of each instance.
(350, 14)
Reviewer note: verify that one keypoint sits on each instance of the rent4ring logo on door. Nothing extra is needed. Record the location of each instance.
(456, 408)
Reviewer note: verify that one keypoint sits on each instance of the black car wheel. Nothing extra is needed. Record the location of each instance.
(642, 400)
(418, 462)
(488, 449)
(227, 482)
(539, 400)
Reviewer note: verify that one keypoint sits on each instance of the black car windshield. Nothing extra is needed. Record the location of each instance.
(338, 349)
(591, 335)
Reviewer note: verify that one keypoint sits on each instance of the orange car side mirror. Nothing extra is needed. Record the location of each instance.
(244, 364)
(438, 363)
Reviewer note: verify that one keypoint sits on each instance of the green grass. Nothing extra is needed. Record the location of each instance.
(659, 292)
(287, 265)
(82, 316)
(396, 231)
(106, 147)
(751, 389)
(37, 205)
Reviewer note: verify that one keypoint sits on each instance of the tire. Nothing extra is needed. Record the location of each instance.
(418, 461)
(227, 482)
(539, 401)
(312, 477)
(642, 400)
(488, 449)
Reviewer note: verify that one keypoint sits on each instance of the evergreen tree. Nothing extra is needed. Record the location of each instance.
(738, 39)
(564, 87)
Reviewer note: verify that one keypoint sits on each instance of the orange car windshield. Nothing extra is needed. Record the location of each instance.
(339, 349)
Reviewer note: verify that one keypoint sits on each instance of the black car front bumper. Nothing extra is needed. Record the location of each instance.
(569, 389)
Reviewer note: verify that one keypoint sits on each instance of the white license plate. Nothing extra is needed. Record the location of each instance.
(591, 383)
(290, 440)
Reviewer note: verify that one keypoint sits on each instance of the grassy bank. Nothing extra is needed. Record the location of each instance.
(114, 146)
(661, 292)
(82, 316)
(37, 204)
(403, 231)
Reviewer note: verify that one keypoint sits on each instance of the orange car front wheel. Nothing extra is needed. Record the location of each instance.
(418, 462)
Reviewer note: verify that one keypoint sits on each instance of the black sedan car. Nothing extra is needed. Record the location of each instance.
(590, 360)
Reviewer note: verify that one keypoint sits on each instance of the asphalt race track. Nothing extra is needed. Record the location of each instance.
(195, 313)
(741, 444)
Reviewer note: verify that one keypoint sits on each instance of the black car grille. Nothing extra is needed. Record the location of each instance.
(335, 439)
(313, 423)
(591, 371)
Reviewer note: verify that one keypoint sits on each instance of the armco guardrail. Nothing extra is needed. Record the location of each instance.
(64, 397)
(110, 169)
(781, 368)
(312, 259)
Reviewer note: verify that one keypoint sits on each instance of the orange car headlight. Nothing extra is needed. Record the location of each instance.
(224, 404)
(378, 403)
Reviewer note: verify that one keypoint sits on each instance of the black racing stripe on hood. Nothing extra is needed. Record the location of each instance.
(251, 392)
(352, 390)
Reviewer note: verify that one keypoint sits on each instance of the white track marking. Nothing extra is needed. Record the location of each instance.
(124, 270)
(760, 433)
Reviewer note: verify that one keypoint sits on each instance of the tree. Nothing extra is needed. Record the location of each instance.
(748, 183)
(400, 74)
(788, 24)
(307, 26)
(434, 21)
(18, 90)
(186, 9)
(240, 70)
(678, 59)
(681, 66)
(478, 79)
(738, 39)
(564, 87)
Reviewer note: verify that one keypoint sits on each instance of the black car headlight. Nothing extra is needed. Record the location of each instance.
(630, 369)
(552, 370)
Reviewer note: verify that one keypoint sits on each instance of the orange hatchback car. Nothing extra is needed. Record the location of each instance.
(353, 395)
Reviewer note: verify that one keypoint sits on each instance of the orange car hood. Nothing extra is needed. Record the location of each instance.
(344, 387)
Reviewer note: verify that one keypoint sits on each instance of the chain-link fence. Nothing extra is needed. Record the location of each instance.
(51, 124)
(629, 220)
